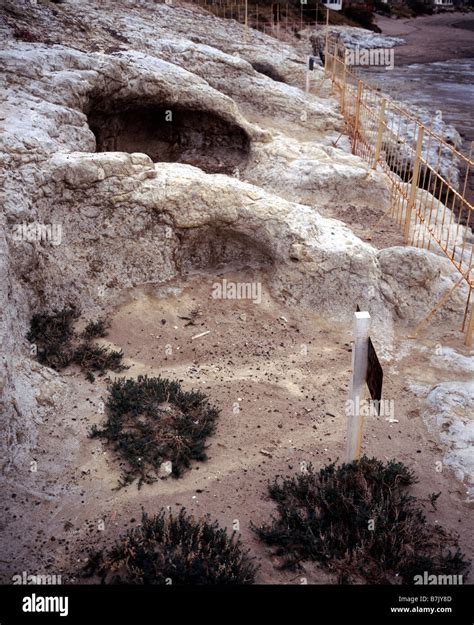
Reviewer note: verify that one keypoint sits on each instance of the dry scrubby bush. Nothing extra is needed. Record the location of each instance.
(53, 334)
(151, 421)
(96, 329)
(58, 345)
(177, 548)
(418, 7)
(324, 516)
(362, 16)
(381, 7)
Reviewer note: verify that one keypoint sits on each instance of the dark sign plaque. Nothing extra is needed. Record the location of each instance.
(374, 376)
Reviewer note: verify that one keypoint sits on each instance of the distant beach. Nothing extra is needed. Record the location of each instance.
(431, 38)
(434, 69)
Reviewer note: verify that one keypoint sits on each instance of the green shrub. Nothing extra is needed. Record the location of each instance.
(174, 548)
(382, 7)
(357, 520)
(361, 15)
(53, 334)
(97, 358)
(96, 329)
(151, 421)
(58, 345)
(418, 7)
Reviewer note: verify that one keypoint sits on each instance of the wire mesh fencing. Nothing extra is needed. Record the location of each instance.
(428, 176)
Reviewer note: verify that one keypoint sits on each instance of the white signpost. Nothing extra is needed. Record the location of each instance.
(360, 349)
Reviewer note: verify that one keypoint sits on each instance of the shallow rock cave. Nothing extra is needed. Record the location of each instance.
(169, 134)
(215, 248)
(268, 70)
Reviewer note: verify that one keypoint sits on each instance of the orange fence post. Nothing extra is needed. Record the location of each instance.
(356, 116)
(414, 183)
(378, 145)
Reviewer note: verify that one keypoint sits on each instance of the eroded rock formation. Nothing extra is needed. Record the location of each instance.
(145, 145)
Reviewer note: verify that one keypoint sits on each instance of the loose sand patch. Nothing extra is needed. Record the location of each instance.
(287, 372)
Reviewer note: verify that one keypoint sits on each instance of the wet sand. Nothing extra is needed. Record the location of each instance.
(431, 38)
(434, 69)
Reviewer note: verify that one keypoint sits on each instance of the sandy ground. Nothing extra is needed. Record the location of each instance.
(431, 38)
(285, 368)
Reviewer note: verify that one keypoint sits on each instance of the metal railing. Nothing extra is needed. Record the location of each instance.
(279, 19)
(428, 176)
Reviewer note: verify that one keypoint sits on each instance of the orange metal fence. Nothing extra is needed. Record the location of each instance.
(428, 176)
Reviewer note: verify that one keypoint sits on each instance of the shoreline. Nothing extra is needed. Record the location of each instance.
(432, 38)
(432, 70)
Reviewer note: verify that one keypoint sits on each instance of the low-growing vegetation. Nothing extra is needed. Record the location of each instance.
(174, 549)
(58, 345)
(96, 329)
(151, 423)
(359, 522)
(53, 335)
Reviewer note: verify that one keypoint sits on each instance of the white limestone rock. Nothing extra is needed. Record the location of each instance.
(449, 413)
